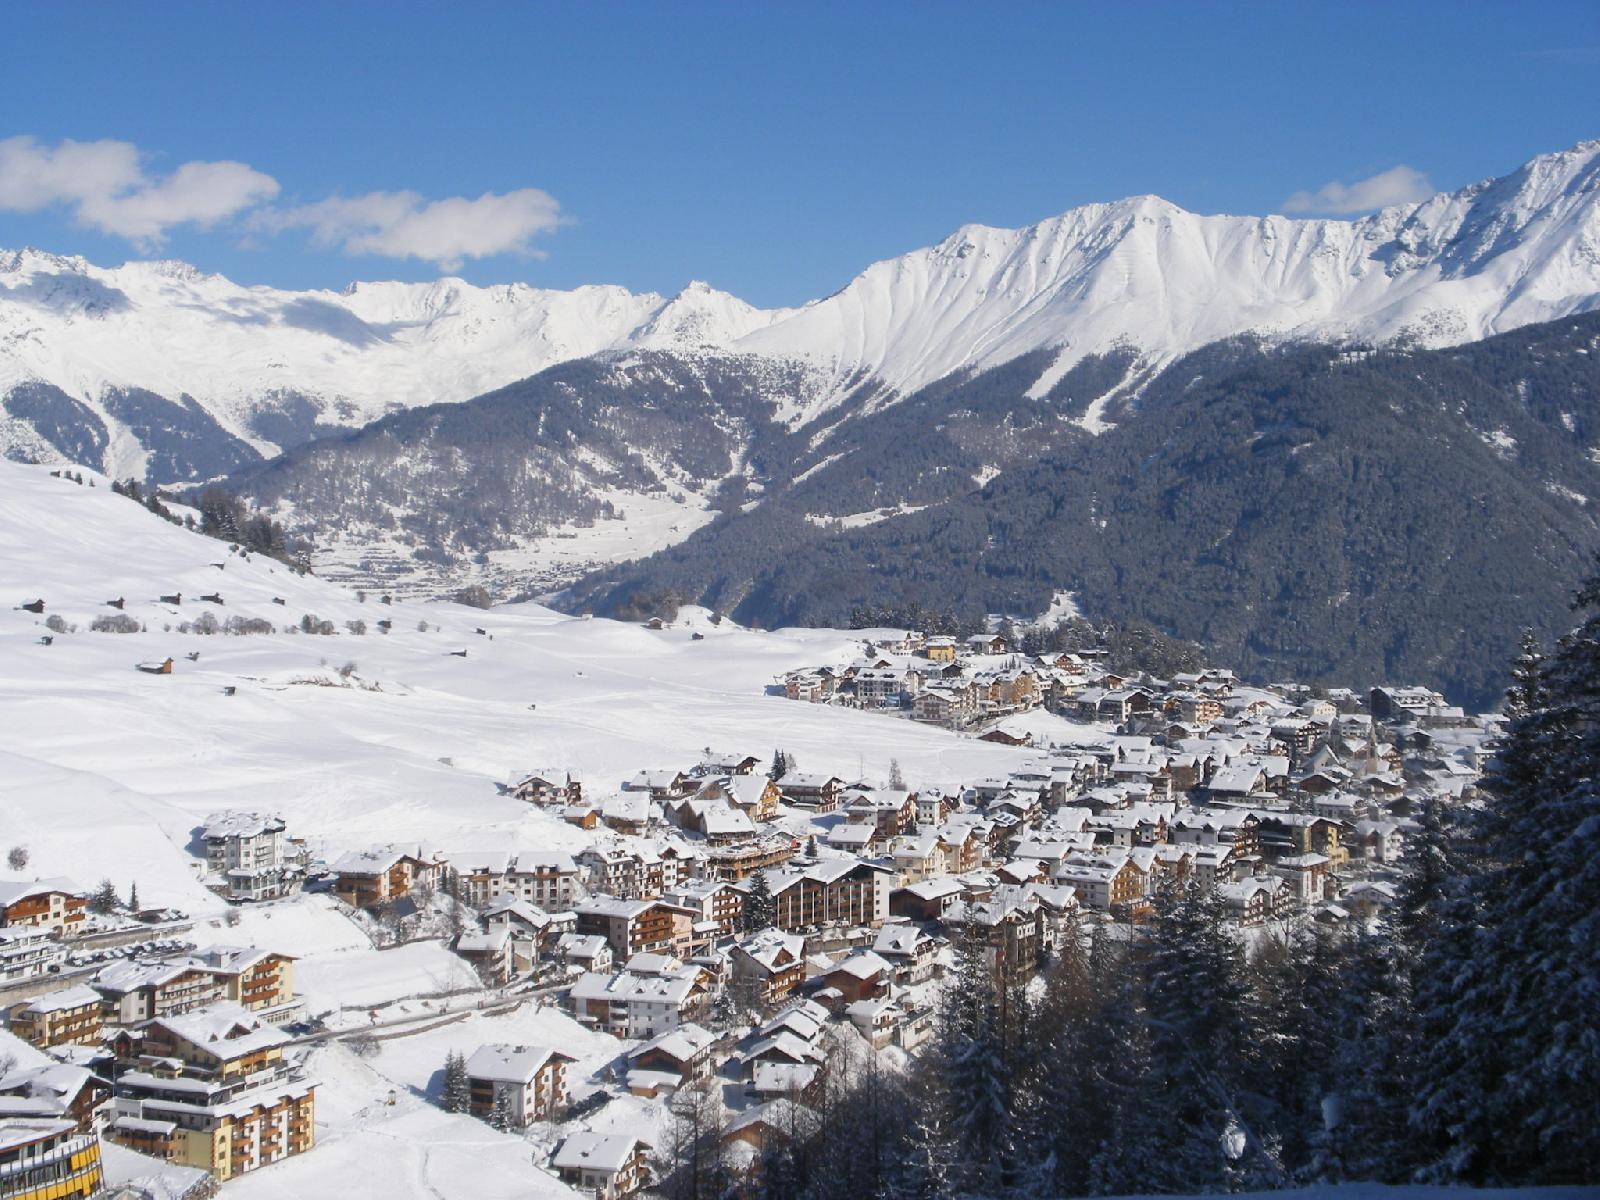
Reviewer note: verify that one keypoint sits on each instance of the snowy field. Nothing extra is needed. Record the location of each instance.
(108, 772)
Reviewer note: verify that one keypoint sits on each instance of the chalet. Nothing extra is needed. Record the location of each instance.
(909, 950)
(52, 905)
(587, 952)
(248, 854)
(862, 976)
(926, 901)
(1287, 834)
(933, 806)
(651, 995)
(258, 980)
(946, 704)
(662, 785)
(371, 878)
(986, 643)
(212, 1090)
(882, 687)
(69, 1017)
(1379, 841)
(860, 840)
(770, 963)
(772, 1080)
(892, 811)
(875, 1019)
(754, 795)
(808, 686)
(132, 992)
(736, 862)
(603, 1165)
(715, 763)
(549, 787)
(631, 813)
(1104, 884)
(1393, 703)
(56, 1090)
(1237, 782)
(1008, 925)
(489, 953)
(819, 793)
(918, 856)
(714, 819)
(713, 902)
(671, 1060)
(835, 891)
(940, 649)
(634, 926)
(1307, 876)
(520, 1084)
(1255, 900)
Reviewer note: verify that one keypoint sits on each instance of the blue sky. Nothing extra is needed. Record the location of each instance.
(772, 150)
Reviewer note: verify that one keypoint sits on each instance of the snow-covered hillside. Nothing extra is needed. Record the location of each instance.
(273, 367)
(106, 771)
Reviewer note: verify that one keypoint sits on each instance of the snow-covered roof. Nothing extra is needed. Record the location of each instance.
(607, 1152)
(511, 1064)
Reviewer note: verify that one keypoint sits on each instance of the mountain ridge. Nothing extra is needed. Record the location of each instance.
(269, 368)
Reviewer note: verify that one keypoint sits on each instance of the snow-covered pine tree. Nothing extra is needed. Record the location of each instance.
(1194, 1005)
(1511, 1076)
(760, 909)
(1366, 1135)
(104, 899)
(500, 1116)
(972, 1055)
(457, 1087)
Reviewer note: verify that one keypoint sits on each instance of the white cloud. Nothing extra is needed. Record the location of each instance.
(107, 187)
(1397, 185)
(444, 232)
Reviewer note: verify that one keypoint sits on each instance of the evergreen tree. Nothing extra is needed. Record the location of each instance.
(1194, 1006)
(105, 898)
(1510, 1086)
(133, 898)
(1367, 1134)
(457, 1088)
(971, 1055)
(500, 1116)
(760, 909)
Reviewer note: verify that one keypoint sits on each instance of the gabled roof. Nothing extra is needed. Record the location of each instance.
(607, 1152)
(511, 1064)
(14, 890)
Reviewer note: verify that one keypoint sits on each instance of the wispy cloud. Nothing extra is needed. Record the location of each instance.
(107, 187)
(405, 225)
(1398, 185)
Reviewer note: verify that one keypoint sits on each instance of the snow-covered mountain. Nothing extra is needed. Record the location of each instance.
(130, 352)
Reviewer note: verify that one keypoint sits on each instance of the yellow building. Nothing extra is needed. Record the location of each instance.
(48, 1159)
(71, 1016)
(212, 1089)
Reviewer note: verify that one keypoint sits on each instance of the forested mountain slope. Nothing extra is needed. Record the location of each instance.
(1319, 511)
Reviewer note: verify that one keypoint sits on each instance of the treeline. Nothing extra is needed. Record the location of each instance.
(1453, 1042)
(226, 517)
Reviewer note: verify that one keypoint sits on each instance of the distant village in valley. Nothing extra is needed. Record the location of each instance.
(738, 920)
